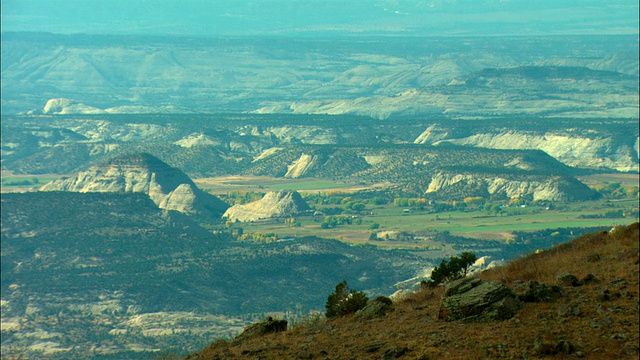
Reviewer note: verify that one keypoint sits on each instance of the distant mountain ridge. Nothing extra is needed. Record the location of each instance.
(168, 187)
(595, 77)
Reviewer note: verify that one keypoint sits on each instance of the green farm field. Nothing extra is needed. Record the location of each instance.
(18, 183)
(476, 224)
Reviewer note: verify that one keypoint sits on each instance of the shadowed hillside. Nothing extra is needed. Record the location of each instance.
(595, 319)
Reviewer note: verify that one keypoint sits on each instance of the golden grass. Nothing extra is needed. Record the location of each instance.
(599, 329)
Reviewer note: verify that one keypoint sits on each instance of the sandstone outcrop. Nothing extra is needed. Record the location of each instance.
(552, 188)
(168, 187)
(571, 149)
(68, 106)
(273, 204)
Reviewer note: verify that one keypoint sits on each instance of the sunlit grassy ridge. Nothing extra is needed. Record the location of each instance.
(602, 327)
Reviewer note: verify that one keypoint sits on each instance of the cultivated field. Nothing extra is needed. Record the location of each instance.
(225, 184)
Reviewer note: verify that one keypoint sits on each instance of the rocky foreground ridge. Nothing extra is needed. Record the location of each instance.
(273, 204)
(168, 187)
(534, 307)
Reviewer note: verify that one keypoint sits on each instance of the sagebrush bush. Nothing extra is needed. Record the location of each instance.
(344, 300)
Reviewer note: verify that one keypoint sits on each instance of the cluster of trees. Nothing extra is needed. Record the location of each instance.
(611, 214)
(258, 237)
(333, 221)
(615, 190)
(410, 202)
(236, 197)
(344, 300)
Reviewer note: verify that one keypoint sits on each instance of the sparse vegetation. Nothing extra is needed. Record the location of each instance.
(344, 300)
(585, 322)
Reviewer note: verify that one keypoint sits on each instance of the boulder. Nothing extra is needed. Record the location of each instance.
(533, 291)
(378, 307)
(267, 326)
(567, 279)
(475, 300)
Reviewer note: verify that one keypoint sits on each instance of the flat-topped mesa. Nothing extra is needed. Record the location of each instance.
(168, 187)
(273, 204)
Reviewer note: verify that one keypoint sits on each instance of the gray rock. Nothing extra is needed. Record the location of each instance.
(267, 326)
(564, 347)
(569, 310)
(472, 299)
(567, 279)
(533, 291)
(377, 307)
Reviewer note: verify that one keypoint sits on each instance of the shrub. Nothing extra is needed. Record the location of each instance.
(455, 268)
(344, 300)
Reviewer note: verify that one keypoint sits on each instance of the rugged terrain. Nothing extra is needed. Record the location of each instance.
(215, 145)
(570, 76)
(597, 320)
(80, 269)
(167, 187)
(106, 264)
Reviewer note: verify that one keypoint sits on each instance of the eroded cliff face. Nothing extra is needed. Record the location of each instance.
(573, 150)
(168, 187)
(554, 188)
(273, 204)
(302, 166)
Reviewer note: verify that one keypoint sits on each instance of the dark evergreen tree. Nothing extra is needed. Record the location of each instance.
(344, 300)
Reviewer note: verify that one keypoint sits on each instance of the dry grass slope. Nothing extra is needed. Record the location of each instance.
(598, 320)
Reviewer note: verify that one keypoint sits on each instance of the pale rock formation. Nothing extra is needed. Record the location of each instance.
(197, 139)
(267, 153)
(168, 187)
(68, 106)
(301, 166)
(305, 134)
(549, 189)
(273, 204)
(432, 134)
(572, 150)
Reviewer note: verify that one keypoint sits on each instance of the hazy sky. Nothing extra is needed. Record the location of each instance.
(322, 17)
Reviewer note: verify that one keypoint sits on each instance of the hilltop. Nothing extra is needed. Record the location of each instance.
(596, 320)
(273, 204)
(168, 187)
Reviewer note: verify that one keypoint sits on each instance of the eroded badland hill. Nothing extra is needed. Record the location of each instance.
(596, 318)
